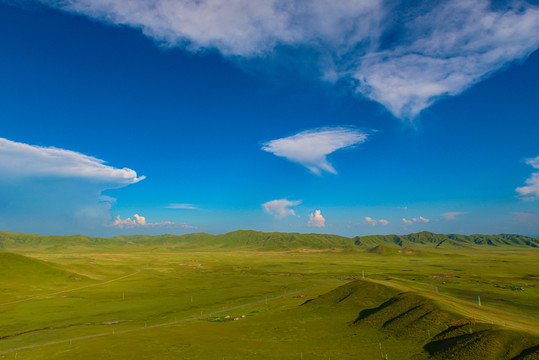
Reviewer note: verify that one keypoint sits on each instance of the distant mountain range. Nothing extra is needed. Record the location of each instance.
(258, 240)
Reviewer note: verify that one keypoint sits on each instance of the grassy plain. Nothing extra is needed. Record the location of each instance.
(149, 303)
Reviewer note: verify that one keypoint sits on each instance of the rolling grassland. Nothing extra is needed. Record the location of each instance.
(144, 298)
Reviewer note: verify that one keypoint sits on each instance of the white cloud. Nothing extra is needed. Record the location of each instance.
(52, 190)
(182, 206)
(452, 215)
(310, 148)
(280, 208)
(416, 220)
(18, 160)
(140, 221)
(455, 45)
(531, 190)
(316, 219)
(373, 222)
(433, 48)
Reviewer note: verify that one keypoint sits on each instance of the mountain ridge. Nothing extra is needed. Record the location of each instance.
(268, 241)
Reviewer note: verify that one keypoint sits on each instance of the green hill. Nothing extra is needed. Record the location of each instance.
(258, 240)
(423, 325)
(430, 240)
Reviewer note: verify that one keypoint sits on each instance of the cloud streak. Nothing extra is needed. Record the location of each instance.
(140, 221)
(452, 215)
(420, 219)
(403, 55)
(280, 208)
(182, 206)
(373, 222)
(531, 190)
(310, 148)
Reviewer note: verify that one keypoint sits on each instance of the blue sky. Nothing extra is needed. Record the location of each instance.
(363, 118)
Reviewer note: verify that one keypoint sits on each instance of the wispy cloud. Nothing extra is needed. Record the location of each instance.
(452, 215)
(280, 208)
(434, 48)
(310, 148)
(182, 206)
(55, 190)
(316, 219)
(420, 219)
(140, 221)
(531, 190)
(373, 222)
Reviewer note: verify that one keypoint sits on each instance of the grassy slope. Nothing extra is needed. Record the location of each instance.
(18, 271)
(437, 333)
(328, 326)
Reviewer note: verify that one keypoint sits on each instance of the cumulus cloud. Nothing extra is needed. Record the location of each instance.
(452, 215)
(404, 55)
(316, 219)
(310, 148)
(404, 220)
(531, 190)
(373, 222)
(280, 208)
(47, 189)
(182, 206)
(140, 221)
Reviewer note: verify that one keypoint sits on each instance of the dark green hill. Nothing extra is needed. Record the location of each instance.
(257, 240)
(430, 331)
(430, 240)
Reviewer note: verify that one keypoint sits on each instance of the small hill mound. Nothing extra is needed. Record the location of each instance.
(419, 323)
(468, 340)
(356, 293)
(409, 316)
(406, 315)
(388, 250)
(381, 250)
